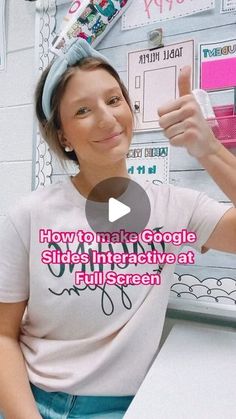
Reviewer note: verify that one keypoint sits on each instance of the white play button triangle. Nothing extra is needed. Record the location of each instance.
(129, 211)
(116, 209)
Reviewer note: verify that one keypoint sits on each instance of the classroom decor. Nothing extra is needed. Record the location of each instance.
(206, 287)
(208, 290)
(149, 162)
(45, 26)
(2, 36)
(146, 12)
(90, 20)
(217, 72)
(153, 79)
(217, 65)
(228, 6)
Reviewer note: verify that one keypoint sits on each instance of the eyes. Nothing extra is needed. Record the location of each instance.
(113, 101)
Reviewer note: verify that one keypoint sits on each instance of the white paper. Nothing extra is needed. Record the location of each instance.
(228, 6)
(145, 12)
(153, 80)
(149, 162)
(2, 36)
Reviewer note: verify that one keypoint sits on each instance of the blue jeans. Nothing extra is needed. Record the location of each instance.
(58, 405)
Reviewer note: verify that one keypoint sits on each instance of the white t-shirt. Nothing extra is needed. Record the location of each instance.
(91, 340)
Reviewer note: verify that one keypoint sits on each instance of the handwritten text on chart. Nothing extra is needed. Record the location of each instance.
(145, 12)
(163, 5)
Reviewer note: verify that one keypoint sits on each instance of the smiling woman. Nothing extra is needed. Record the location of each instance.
(98, 125)
(72, 81)
(87, 117)
(74, 351)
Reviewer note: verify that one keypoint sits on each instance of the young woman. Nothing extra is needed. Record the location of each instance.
(71, 351)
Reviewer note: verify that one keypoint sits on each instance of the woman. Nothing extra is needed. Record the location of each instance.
(83, 351)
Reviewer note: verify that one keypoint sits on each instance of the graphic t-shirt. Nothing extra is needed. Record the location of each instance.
(88, 339)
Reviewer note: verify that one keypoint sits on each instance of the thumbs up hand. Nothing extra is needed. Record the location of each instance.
(183, 122)
(184, 81)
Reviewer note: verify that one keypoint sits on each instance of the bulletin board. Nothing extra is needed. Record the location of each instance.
(208, 287)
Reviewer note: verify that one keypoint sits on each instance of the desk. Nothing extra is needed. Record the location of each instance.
(193, 377)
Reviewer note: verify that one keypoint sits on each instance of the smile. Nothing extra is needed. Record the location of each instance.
(111, 137)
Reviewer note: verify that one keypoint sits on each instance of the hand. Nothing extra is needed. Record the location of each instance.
(183, 121)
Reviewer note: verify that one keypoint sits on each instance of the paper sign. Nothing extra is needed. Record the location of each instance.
(90, 20)
(217, 65)
(228, 6)
(2, 36)
(146, 12)
(153, 80)
(150, 162)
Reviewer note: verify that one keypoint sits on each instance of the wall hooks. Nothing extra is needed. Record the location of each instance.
(155, 39)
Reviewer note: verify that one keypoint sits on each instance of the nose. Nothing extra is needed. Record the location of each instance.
(106, 117)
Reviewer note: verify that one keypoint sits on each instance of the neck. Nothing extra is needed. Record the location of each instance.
(89, 177)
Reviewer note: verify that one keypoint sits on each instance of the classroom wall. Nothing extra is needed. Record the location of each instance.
(16, 110)
(185, 171)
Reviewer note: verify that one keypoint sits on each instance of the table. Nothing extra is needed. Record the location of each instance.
(193, 377)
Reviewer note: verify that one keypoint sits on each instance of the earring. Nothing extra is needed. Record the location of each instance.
(68, 149)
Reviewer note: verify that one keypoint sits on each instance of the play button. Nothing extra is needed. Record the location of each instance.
(118, 204)
(116, 210)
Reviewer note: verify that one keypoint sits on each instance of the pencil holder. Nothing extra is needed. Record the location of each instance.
(224, 125)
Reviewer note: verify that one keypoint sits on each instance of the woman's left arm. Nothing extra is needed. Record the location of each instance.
(184, 125)
(222, 168)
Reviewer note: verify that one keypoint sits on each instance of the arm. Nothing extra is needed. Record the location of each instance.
(223, 237)
(222, 168)
(185, 126)
(16, 398)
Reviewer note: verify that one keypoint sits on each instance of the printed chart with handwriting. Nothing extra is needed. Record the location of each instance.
(147, 12)
(153, 79)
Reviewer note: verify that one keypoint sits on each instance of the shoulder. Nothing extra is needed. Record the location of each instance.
(39, 199)
(171, 194)
(185, 201)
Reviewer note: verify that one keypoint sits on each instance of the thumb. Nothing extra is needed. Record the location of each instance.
(184, 81)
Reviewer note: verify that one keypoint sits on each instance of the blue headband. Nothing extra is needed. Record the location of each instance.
(78, 49)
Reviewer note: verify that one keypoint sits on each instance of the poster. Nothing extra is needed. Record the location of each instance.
(90, 20)
(150, 162)
(217, 65)
(2, 36)
(228, 6)
(146, 12)
(71, 12)
(153, 80)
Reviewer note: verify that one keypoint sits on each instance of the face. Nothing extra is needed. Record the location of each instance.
(96, 119)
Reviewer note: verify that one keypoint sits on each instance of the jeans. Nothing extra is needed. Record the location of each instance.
(59, 405)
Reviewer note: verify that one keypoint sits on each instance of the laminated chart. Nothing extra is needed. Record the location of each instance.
(147, 12)
(153, 79)
(228, 6)
(149, 162)
(217, 65)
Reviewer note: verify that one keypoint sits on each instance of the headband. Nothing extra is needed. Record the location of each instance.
(78, 49)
